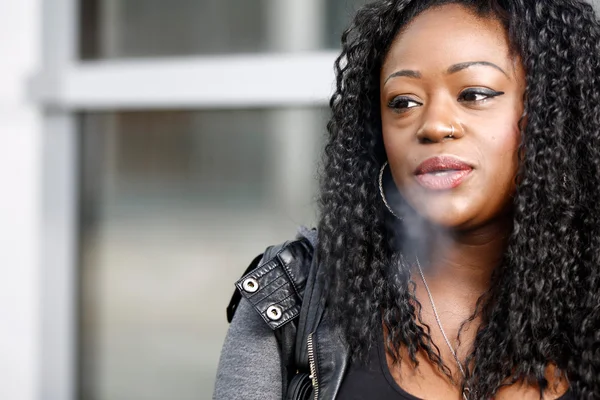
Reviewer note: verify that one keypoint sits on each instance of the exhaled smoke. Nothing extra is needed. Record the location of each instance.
(415, 235)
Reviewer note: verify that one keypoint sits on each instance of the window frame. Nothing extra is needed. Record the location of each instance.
(66, 86)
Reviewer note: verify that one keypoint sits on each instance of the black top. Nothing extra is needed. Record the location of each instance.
(374, 380)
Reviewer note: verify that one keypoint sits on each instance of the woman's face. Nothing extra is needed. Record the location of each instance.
(451, 101)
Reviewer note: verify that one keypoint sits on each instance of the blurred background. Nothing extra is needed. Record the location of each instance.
(149, 149)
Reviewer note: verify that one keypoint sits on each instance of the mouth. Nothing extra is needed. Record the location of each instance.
(442, 172)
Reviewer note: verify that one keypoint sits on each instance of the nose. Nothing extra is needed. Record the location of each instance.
(439, 124)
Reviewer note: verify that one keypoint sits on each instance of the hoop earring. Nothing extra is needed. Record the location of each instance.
(382, 192)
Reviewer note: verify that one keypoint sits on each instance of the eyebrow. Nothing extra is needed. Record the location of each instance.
(459, 67)
(451, 70)
(404, 72)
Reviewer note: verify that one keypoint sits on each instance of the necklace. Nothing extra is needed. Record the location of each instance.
(439, 323)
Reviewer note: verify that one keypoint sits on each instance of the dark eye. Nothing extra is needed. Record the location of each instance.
(402, 103)
(477, 94)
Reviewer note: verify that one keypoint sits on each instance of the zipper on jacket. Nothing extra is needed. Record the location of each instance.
(313, 366)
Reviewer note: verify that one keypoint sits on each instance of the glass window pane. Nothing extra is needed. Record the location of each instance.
(142, 28)
(157, 28)
(175, 205)
(339, 15)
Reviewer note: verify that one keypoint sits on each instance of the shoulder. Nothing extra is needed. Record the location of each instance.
(251, 349)
(275, 285)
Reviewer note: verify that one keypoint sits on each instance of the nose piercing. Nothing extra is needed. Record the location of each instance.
(451, 133)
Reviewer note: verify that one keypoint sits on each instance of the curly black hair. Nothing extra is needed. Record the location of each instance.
(543, 306)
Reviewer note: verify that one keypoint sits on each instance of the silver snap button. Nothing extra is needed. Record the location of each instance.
(250, 285)
(274, 313)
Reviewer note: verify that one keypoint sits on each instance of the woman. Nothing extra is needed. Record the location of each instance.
(460, 207)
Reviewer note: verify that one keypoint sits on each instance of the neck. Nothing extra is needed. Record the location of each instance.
(463, 259)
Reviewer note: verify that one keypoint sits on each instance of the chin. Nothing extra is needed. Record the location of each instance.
(446, 222)
(445, 216)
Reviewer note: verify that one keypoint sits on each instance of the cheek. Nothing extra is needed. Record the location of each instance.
(391, 137)
(392, 143)
(501, 152)
(509, 138)
(398, 140)
(398, 152)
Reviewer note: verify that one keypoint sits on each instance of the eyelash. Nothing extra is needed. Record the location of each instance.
(396, 102)
(487, 93)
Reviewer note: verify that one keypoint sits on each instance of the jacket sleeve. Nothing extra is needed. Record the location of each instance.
(250, 365)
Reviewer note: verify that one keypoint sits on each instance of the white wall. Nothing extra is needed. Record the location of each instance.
(20, 181)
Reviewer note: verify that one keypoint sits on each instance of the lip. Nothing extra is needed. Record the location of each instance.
(442, 172)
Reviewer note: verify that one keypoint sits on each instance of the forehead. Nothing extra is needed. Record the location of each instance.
(447, 35)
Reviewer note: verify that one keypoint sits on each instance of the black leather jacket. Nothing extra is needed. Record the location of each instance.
(286, 291)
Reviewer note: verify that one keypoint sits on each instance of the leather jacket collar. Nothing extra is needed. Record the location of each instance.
(287, 291)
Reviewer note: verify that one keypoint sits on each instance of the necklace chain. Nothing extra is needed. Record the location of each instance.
(439, 323)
